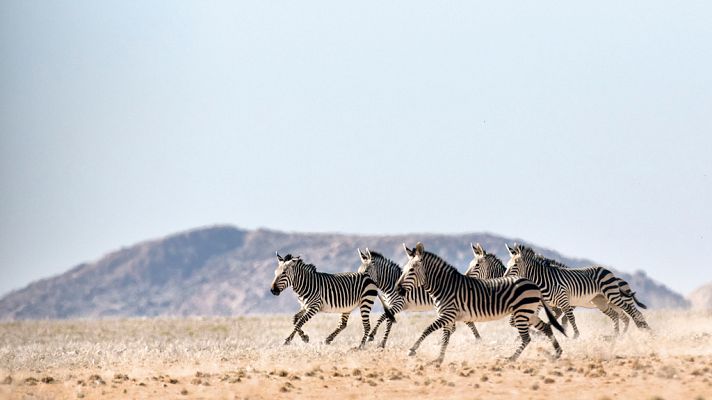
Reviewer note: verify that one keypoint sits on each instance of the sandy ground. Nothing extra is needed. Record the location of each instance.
(244, 358)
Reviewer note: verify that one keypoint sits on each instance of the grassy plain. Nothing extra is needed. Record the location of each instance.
(243, 358)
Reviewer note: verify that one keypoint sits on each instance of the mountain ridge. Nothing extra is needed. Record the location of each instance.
(226, 270)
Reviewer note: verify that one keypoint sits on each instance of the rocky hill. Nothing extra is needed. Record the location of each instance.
(224, 270)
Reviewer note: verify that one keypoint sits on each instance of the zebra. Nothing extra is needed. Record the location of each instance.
(320, 291)
(565, 288)
(460, 298)
(486, 266)
(385, 273)
(613, 312)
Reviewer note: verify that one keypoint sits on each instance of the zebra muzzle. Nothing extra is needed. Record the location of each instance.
(275, 291)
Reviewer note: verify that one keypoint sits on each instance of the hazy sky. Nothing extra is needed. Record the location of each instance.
(586, 128)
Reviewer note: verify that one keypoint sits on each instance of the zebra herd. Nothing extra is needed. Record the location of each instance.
(487, 291)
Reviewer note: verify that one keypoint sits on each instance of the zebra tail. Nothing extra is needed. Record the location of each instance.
(638, 302)
(387, 311)
(552, 319)
(628, 293)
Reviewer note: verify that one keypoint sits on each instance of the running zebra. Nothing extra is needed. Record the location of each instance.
(566, 288)
(319, 291)
(613, 312)
(461, 298)
(385, 273)
(487, 266)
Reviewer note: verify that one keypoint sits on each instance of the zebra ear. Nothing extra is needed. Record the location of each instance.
(410, 253)
(509, 249)
(278, 256)
(368, 253)
(362, 255)
(419, 249)
(477, 249)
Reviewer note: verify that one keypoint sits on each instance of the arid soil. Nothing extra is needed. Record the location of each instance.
(244, 358)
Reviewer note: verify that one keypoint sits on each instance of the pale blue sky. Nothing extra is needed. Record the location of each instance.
(581, 127)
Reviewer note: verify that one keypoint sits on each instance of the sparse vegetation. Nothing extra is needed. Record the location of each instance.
(213, 357)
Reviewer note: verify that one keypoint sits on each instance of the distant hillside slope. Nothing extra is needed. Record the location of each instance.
(227, 271)
(701, 298)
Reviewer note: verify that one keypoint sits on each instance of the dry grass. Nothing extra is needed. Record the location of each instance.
(244, 358)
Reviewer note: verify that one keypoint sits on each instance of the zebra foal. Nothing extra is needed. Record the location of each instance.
(320, 291)
(461, 298)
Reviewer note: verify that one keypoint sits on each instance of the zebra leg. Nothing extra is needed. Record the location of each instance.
(521, 322)
(473, 328)
(636, 315)
(558, 313)
(306, 316)
(366, 320)
(372, 335)
(341, 327)
(601, 303)
(437, 324)
(542, 326)
(397, 307)
(301, 333)
(569, 311)
(630, 309)
(447, 331)
(623, 317)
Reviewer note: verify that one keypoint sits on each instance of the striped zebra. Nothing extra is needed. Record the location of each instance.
(460, 298)
(385, 273)
(488, 266)
(319, 291)
(614, 312)
(566, 288)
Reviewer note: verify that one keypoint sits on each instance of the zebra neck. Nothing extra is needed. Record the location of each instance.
(301, 281)
(434, 281)
(387, 279)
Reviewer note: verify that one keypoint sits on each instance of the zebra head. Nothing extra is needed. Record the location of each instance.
(283, 274)
(518, 264)
(413, 275)
(484, 265)
(479, 263)
(366, 266)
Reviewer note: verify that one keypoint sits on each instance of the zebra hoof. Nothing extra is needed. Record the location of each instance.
(287, 342)
(305, 339)
(382, 345)
(411, 352)
(327, 341)
(371, 338)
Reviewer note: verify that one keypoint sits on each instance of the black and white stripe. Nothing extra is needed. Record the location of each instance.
(319, 291)
(385, 273)
(460, 298)
(484, 265)
(487, 266)
(565, 288)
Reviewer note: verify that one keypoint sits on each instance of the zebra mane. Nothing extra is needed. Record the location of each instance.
(376, 256)
(493, 258)
(304, 266)
(439, 261)
(550, 262)
(546, 261)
